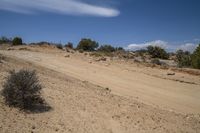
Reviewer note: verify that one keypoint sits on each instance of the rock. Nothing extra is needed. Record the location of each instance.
(102, 59)
(33, 127)
(56, 129)
(23, 49)
(67, 50)
(10, 49)
(107, 64)
(170, 73)
(67, 56)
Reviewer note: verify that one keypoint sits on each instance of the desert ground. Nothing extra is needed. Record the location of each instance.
(88, 95)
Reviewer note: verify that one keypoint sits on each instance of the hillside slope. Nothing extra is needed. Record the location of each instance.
(83, 107)
(180, 92)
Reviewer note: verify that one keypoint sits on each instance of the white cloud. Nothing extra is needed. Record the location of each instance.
(169, 47)
(73, 7)
(188, 47)
(135, 46)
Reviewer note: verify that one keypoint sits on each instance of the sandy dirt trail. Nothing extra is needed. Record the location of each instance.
(168, 94)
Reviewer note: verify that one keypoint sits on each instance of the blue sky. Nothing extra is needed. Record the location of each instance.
(129, 23)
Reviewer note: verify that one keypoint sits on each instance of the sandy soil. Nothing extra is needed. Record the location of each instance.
(180, 92)
(142, 99)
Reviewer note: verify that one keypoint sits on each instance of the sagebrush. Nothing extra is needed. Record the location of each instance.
(22, 90)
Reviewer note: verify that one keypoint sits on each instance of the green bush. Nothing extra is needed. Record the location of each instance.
(195, 57)
(183, 58)
(17, 41)
(157, 52)
(87, 45)
(106, 48)
(22, 90)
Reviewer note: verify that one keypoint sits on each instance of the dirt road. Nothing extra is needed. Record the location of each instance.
(167, 94)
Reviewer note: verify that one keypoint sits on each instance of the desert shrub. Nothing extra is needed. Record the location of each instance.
(87, 45)
(156, 61)
(69, 45)
(157, 52)
(196, 58)
(59, 46)
(4, 39)
(119, 49)
(17, 41)
(41, 43)
(183, 58)
(106, 48)
(22, 90)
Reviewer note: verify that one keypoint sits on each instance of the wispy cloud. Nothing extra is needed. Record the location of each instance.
(166, 45)
(72, 7)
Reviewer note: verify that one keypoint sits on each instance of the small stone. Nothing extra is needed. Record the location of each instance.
(33, 127)
(67, 56)
(170, 73)
(101, 59)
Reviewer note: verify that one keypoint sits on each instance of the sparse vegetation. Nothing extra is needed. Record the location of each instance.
(195, 58)
(59, 46)
(17, 41)
(22, 90)
(69, 45)
(119, 49)
(87, 45)
(157, 52)
(5, 40)
(183, 58)
(106, 48)
(40, 43)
